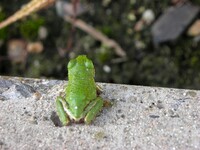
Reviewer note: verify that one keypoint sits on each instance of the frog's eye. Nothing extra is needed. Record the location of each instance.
(71, 64)
(89, 64)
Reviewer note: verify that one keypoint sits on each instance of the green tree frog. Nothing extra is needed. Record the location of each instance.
(81, 102)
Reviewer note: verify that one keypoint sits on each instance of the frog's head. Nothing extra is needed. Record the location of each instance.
(81, 64)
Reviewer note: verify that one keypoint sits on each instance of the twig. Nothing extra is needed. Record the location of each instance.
(29, 8)
(36, 5)
(97, 35)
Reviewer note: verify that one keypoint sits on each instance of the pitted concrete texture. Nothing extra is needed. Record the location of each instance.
(140, 118)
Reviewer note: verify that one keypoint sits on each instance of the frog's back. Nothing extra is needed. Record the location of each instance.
(81, 89)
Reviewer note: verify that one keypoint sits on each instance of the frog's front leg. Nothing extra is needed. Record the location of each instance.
(94, 108)
(60, 104)
(99, 89)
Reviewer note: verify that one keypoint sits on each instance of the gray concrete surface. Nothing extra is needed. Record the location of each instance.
(140, 118)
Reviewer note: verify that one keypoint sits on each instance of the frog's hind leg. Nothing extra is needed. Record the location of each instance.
(96, 108)
(61, 112)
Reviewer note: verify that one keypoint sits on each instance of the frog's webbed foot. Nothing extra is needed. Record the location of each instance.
(64, 118)
(107, 103)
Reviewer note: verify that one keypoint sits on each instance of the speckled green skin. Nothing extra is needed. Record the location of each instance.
(81, 101)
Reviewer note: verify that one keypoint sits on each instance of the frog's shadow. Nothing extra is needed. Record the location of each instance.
(55, 119)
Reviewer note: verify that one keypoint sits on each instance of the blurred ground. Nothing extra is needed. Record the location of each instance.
(42, 44)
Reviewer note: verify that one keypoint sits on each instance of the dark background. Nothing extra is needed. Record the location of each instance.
(171, 64)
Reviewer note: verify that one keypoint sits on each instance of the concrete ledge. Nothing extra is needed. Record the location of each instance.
(140, 118)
